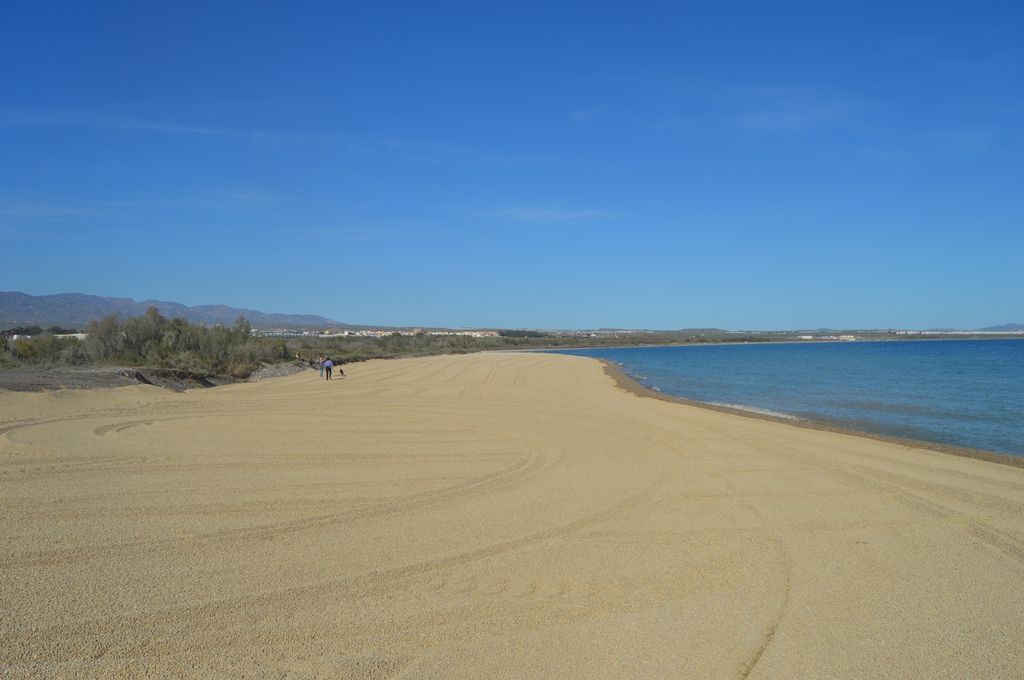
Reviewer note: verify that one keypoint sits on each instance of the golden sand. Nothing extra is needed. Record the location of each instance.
(489, 516)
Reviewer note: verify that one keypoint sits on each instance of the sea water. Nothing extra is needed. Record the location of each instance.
(959, 392)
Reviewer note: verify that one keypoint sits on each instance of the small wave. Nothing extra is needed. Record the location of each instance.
(914, 410)
(755, 409)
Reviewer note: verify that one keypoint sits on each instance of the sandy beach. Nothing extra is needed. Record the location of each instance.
(489, 515)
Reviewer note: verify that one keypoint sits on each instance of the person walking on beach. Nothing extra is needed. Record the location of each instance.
(321, 364)
(328, 366)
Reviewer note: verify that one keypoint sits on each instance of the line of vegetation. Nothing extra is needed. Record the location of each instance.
(35, 330)
(154, 341)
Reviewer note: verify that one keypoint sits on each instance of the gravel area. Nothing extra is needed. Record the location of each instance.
(40, 379)
(279, 370)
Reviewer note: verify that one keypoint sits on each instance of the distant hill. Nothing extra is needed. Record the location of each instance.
(1004, 328)
(75, 309)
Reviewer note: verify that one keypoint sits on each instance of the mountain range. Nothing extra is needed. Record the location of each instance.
(1004, 328)
(76, 309)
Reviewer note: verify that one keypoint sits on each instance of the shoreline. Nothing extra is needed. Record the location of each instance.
(510, 515)
(754, 342)
(630, 384)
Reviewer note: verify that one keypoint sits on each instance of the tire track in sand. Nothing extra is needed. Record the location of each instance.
(169, 630)
(504, 479)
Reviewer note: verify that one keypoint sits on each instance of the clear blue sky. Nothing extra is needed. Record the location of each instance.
(660, 165)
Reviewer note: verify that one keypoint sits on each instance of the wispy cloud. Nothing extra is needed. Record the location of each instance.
(582, 116)
(963, 139)
(106, 121)
(879, 152)
(49, 223)
(244, 200)
(12, 234)
(986, 72)
(111, 122)
(434, 153)
(674, 122)
(538, 215)
(348, 234)
(416, 150)
(907, 46)
(682, 107)
(41, 212)
(34, 212)
(787, 111)
(229, 201)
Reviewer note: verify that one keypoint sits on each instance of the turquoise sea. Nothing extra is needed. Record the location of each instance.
(960, 392)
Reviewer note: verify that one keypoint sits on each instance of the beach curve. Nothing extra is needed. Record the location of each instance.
(512, 515)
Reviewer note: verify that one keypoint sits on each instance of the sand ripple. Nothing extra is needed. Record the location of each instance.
(498, 515)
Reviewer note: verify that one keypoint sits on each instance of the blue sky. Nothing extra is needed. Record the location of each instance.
(573, 165)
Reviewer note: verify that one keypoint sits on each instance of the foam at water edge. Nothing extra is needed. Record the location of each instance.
(754, 409)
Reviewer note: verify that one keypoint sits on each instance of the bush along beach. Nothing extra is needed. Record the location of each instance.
(155, 341)
(235, 352)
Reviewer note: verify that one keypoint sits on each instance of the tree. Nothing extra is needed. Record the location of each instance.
(242, 327)
(105, 338)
